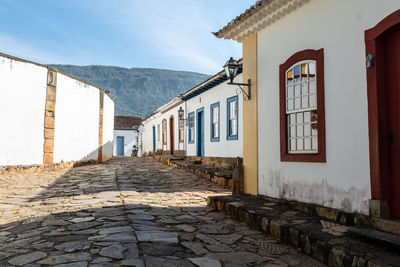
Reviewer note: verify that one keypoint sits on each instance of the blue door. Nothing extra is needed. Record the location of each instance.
(154, 138)
(120, 145)
(200, 132)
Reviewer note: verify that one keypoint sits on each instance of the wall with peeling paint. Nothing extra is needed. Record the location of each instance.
(343, 182)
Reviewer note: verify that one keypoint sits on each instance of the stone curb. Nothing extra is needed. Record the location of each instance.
(28, 169)
(223, 181)
(307, 234)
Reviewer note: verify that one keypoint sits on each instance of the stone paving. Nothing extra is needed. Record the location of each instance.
(127, 212)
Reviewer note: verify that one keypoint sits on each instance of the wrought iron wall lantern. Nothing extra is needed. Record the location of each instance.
(181, 114)
(231, 68)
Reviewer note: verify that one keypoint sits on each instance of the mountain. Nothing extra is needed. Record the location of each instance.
(136, 91)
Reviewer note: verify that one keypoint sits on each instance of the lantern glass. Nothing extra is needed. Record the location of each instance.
(181, 113)
(231, 67)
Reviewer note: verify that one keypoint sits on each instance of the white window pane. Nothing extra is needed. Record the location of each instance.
(304, 88)
(312, 69)
(307, 144)
(312, 87)
(297, 89)
(293, 144)
(299, 117)
(315, 143)
(292, 118)
(300, 130)
(293, 131)
(297, 103)
(290, 104)
(313, 101)
(304, 102)
(290, 91)
(300, 144)
(307, 116)
(307, 130)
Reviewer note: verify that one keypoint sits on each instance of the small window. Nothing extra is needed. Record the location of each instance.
(181, 124)
(164, 131)
(232, 118)
(191, 127)
(302, 107)
(214, 127)
(158, 132)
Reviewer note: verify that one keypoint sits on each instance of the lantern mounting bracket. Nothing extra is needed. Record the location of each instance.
(248, 94)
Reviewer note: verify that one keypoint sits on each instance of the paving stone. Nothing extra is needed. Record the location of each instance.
(228, 239)
(121, 237)
(5, 255)
(186, 228)
(219, 248)
(74, 264)
(237, 257)
(114, 251)
(205, 262)
(66, 258)
(195, 247)
(132, 262)
(82, 219)
(27, 258)
(160, 262)
(113, 230)
(207, 239)
(210, 229)
(157, 236)
(186, 219)
(152, 249)
(73, 246)
(83, 225)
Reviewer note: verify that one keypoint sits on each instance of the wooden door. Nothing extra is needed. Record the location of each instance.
(120, 146)
(392, 67)
(172, 136)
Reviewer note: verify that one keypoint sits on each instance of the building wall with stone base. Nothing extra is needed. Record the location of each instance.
(49, 117)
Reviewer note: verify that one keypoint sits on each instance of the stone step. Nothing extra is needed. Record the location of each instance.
(327, 241)
(374, 237)
(387, 225)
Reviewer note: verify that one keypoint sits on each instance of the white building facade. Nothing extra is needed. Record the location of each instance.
(214, 112)
(317, 130)
(50, 117)
(126, 137)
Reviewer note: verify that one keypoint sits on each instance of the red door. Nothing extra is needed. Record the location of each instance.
(392, 67)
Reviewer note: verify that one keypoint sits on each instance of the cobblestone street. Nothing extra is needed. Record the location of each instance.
(128, 212)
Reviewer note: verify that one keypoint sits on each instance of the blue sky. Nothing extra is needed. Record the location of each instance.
(169, 34)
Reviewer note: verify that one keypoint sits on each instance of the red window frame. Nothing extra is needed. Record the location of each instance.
(318, 56)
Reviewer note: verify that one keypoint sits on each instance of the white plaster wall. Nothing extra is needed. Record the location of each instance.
(76, 134)
(223, 148)
(342, 182)
(147, 135)
(167, 115)
(129, 140)
(22, 105)
(108, 127)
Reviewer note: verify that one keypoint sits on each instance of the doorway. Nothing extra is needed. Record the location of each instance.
(154, 138)
(120, 146)
(383, 82)
(171, 134)
(200, 132)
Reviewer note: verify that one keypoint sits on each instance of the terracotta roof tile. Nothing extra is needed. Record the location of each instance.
(126, 122)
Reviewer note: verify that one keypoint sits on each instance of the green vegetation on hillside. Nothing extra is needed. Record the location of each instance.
(136, 91)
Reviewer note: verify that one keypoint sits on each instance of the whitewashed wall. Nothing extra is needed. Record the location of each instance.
(76, 134)
(343, 182)
(108, 127)
(147, 135)
(129, 140)
(223, 148)
(22, 104)
(167, 115)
